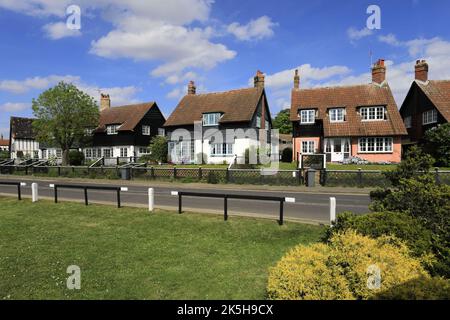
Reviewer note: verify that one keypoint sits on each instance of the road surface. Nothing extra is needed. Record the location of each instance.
(312, 207)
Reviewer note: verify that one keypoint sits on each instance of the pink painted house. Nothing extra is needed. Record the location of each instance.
(348, 121)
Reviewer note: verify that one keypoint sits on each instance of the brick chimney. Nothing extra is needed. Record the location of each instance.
(421, 69)
(192, 89)
(105, 102)
(379, 72)
(259, 79)
(296, 80)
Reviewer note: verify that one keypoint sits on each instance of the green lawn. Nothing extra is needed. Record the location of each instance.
(132, 254)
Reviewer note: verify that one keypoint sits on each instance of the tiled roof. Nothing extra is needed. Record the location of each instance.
(236, 106)
(127, 116)
(438, 91)
(21, 128)
(350, 97)
(4, 143)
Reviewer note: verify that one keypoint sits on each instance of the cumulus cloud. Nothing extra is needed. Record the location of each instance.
(34, 83)
(254, 30)
(59, 30)
(355, 34)
(14, 106)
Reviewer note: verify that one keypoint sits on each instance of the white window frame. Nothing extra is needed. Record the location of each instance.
(308, 147)
(106, 151)
(375, 113)
(307, 116)
(112, 129)
(408, 122)
(429, 117)
(211, 119)
(123, 152)
(258, 121)
(337, 115)
(146, 130)
(267, 125)
(161, 132)
(221, 149)
(375, 145)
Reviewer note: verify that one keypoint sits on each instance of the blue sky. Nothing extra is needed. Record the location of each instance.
(148, 50)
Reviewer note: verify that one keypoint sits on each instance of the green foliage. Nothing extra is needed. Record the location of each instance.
(286, 155)
(282, 122)
(62, 114)
(342, 268)
(423, 288)
(158, 148)
(416, 193)
(4, 154)
(398, 224)
(437, 143)
(76, 158)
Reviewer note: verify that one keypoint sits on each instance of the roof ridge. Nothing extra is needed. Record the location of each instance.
(221, 92)
(345, 86)
(134, 104)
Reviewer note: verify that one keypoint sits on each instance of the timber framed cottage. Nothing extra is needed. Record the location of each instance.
(202, 117)
(348, 121)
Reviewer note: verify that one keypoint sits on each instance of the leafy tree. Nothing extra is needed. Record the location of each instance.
(62, 114)
(76, 158)
(437, 143)
(158, 148)
(282, 122)
(4, 154)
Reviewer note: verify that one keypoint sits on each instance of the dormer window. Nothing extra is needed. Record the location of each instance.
(211, 119)
(337, 115)
(373, 113)
(307, 116)
(112, 129)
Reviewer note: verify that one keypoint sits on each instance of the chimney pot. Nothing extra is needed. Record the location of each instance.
(296, 80)
(105, 102)
(379, 72)
(421, 70)
(259, 79)
(192, 89)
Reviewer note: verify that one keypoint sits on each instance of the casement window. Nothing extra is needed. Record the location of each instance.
(267, 125)
(112, 129)
(161, 132)
(58, 153)
(146, 130)
(375, 145)
(373, 113)
(337, 115)
(123, 152)
(211, 119)
(308, 147)
(107, 153)
(144, 150)
(221, 149)
(258, 121)
(408, 122)
(429, 116)
(307, 116)
(88, 153)
(88, 131)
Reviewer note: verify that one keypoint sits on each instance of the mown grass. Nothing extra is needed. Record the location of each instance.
(132, 254)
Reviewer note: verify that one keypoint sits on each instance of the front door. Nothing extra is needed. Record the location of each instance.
(338, 148)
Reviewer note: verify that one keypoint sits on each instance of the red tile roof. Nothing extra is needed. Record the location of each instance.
(350, 97)
(127, 116)
(236, 106)
(4, 143)
(438, 91)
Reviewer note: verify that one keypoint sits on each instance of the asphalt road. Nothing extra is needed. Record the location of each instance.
(313, 207)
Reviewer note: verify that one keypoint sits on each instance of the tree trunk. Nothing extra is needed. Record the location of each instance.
(65, 157)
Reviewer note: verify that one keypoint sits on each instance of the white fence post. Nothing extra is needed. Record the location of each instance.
(34, 192)
(332, 210)
(151, 199)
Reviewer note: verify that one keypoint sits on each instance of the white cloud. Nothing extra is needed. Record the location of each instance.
(119, 95)
(355, 34)
(59, 30)
(14, 106)
(390, 39)
(254, 30)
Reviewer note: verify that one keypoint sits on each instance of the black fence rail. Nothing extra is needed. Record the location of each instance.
(56, 187)
(16, 184)
(353, 178)
(225, 197)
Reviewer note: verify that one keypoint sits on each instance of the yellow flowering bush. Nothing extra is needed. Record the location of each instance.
(351, 266)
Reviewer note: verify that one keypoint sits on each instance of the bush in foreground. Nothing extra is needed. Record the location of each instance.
(342, 269)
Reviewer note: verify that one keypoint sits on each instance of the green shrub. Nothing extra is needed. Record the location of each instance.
(342, 269)
(422, 288)
(286, 155)
(398, 224)
(4, 154)
(437, 143)
(76, 158)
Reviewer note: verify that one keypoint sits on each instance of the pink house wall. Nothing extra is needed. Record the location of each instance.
(395, 156)
(297, 142)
